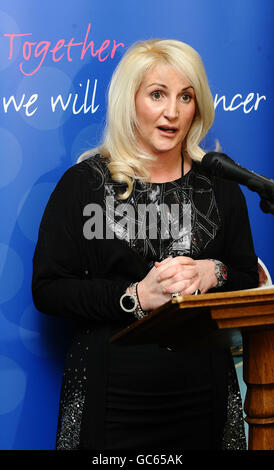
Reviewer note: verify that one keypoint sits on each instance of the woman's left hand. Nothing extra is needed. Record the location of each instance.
(186, 275)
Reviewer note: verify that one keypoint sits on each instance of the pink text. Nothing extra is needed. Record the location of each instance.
(60, 50)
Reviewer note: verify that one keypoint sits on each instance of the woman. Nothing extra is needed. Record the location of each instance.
(102, 261)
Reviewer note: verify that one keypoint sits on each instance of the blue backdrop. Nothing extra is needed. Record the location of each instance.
(52, 108)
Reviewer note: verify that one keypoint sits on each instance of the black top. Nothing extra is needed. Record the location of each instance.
(83, 278)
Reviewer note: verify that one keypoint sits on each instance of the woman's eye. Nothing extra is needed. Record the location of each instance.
(186, 97)
(156, 95)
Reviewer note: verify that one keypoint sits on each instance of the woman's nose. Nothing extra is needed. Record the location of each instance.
(171, 109)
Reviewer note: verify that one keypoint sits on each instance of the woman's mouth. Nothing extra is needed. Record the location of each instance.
(168, 130)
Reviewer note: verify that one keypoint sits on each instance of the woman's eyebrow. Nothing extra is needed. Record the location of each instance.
(164, 86)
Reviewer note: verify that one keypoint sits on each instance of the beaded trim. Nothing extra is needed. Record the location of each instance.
(138, 312)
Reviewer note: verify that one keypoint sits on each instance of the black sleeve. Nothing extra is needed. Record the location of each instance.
(238, 249)
(59, 284)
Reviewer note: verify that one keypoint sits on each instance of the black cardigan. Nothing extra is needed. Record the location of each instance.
(84, 279)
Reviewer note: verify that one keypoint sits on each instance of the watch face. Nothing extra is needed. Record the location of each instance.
(224, 272)
(128, 302)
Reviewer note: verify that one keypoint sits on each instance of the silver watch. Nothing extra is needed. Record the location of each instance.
(220, 272)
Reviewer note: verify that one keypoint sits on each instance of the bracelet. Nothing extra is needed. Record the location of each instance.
(138, 312)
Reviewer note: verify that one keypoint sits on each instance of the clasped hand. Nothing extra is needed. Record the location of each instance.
(180, 274)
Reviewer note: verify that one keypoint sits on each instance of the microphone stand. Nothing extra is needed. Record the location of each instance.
(266, 193)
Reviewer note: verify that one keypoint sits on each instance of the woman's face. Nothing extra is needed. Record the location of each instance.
(165, 107)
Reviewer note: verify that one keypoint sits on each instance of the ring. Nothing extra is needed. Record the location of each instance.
(175, 294)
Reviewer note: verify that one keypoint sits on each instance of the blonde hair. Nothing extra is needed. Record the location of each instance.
(119, 145)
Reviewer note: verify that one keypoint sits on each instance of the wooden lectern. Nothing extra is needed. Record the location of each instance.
(217, 320)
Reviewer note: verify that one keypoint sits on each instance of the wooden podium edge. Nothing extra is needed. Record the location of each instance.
(218, 303)
(225, 298)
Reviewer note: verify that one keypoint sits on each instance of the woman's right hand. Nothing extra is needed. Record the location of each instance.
(150, 291)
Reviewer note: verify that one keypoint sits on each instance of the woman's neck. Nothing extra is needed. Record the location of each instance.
(164, 170)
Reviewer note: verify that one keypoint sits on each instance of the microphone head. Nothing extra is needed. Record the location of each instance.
(213, 161)
(221, 166)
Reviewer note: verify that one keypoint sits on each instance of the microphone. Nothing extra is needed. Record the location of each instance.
(222, 166)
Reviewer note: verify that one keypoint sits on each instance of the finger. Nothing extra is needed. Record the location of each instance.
(186, 260)
(171, 287)
(171, 290)
(177, 271)
(164, 261)
(191, 289)
(167, 262)
(165, 272)
(184, 287)
(183, 260)
(182, 275)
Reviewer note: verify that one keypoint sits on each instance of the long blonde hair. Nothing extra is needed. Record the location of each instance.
(119, 145)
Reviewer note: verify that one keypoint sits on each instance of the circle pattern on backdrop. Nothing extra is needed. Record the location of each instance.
(8, 330)
(13, 385)
(86, 139)
(10, 157)
(11, 273)
(31, 209)
(7, 26)
(33, 326)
